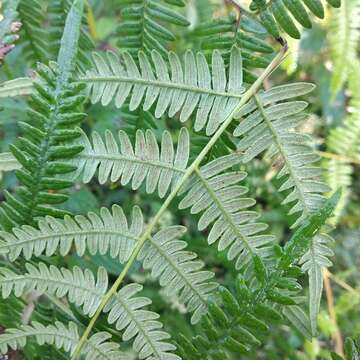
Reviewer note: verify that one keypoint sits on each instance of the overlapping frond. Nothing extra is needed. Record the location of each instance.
(224, 32)
(312, 263)
(178, 270)
(47, 135)
(127, 313)
(146, 25)
(231, 328)
(192, 88)
(64, 337)
(19, 86)
(268, 123)
(142, 162)
(31, 15)
(79, 286)
(215, 192)
(45, 145)
(108, 232)
(344, 37)
(282, 13)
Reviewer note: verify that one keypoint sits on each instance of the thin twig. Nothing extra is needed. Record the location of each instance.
(337, 337)
(338, 157)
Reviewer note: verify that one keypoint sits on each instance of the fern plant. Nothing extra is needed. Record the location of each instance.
(212, 96)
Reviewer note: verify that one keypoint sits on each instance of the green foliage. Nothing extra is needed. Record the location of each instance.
(32, 17)
(200, 260)
(145, 25)
(248, 35)
(280, 13)
(42, 148)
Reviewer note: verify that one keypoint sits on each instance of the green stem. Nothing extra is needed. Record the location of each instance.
(190, 170)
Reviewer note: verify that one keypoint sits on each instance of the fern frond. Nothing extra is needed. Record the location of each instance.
(268, 124)
(41, 151)
(48, 135)
(127, 313)
(345, 141)
(62, 337)
(231, 328)
(19, 86)
(182, 92)
(178, 270)
(80, 287)
(282, 13)
(143, 162)
(215, 192)
(344, 37)
(146, 25)
(312, 263)
(108, 232)
(32, 17)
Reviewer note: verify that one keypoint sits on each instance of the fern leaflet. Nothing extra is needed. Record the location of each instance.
(183, 91)
(62, 337)
(79, 286)
(178, 270)
(312, 263)
(110, 231)
(215, 192)
(143, 162)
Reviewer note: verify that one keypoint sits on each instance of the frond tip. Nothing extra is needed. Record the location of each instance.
(181, 91)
